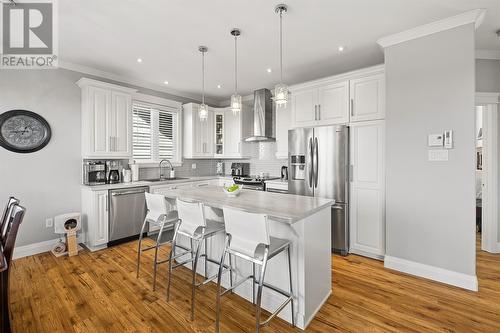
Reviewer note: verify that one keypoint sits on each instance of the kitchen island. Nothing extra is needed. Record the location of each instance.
(305, 221)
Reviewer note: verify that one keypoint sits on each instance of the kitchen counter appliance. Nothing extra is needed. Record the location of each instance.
(94, 173)
(113, 172)
(319, 166)
(240, 169)
(127, 210)
(253, 183)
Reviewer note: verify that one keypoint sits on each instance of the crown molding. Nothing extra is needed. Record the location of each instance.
(488, 54)
(475, 16)
(136, 82)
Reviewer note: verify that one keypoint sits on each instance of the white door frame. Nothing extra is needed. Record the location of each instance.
(490, 195)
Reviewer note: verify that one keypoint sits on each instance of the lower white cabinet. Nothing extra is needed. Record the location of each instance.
(95, 218)
(367, 189)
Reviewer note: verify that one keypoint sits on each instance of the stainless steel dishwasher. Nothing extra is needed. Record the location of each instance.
(127, 210)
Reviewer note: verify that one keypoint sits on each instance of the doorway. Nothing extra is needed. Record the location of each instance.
(487, 157)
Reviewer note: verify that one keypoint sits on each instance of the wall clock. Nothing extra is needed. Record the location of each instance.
(23, 131)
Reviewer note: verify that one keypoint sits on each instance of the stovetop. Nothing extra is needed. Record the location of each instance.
(253, 179)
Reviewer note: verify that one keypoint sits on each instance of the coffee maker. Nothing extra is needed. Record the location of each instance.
(94, 173)
(113, 172)
(240, 169)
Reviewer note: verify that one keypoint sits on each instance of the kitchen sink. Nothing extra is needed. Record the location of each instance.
(165, 179)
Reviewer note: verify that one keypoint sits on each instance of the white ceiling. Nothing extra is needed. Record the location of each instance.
(110, 35)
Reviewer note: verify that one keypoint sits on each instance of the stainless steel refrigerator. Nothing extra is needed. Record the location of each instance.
(318, 165)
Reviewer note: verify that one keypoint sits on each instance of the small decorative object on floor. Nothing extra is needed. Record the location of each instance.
(67, 224)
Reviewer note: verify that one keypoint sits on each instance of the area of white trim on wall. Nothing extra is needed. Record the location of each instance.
(136, 82)
(475, 16)
(433, 273)
(488, 54)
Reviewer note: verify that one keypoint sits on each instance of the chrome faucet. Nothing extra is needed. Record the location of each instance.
(161, 162)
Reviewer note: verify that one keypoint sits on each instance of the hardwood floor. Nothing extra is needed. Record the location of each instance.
(98, 292)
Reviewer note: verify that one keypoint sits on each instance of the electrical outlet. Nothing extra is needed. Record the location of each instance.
(193, 166)
(49, 222)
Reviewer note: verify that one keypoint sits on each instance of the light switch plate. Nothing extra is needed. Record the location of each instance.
(438, 155)
(193, 166)
(49, 222)
(435, 140)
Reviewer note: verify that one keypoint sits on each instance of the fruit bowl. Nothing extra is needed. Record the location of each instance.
(232, 191)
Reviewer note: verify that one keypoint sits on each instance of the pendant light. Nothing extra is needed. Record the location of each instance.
(281, 89)
(203, 112)
(235, 98)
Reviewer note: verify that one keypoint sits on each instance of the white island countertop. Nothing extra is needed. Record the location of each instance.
(288, 208)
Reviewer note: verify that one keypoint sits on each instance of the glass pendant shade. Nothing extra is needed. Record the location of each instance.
(235, 103)
(281, 95)
(203, 112)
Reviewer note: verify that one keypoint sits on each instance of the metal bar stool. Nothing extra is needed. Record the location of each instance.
(197, 229)
(247, 237)
(158, 215)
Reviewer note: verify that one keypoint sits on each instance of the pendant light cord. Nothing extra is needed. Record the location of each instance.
(235, 65)
(203, 77)
(281, 46)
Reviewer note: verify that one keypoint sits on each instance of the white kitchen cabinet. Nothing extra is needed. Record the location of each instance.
(324, 104)
(367, 98)
(283, 122)
(367, 189)
(95, 218)
(220, 136)
(333, 104)
(198, 137)
(106, 120)
(304, 105)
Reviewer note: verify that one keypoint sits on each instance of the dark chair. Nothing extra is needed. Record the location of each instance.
(11, 227)
(6, 213)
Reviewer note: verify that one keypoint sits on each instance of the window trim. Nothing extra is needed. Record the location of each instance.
(163, 105)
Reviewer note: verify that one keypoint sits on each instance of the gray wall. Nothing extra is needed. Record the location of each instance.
(431, 205)
(488, 75)
(47, 181)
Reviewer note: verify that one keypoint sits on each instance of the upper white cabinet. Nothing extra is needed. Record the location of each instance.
(326, 104)
(198, 134)
(106, 120)
(367, 188)
(341, 99)
(333, 103)
(368, 98)
(283, 120)
(220, 136)
(304, 107)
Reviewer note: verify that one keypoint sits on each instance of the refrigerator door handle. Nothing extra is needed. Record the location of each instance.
(310, 162)
(315, 162)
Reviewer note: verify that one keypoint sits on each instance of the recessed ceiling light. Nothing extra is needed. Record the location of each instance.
(269, 70)
(219, 86)
(341, 49)
(139, 60)
(165, 82)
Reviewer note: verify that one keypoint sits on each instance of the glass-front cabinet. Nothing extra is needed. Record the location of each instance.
(219, 133)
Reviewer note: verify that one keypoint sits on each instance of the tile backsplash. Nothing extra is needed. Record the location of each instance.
(262, 159)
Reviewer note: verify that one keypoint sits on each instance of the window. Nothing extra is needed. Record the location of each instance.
(155, 133)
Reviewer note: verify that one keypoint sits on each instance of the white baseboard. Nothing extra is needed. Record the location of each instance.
(36, 248)
(433, 273)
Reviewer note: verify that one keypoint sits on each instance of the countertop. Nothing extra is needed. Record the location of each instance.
(288, 208)
(150, 183)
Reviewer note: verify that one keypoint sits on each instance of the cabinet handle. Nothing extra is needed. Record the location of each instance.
(319, 112)
(352, 107)
(116, 143)
(351, 171)
(315, 112)
(106, 197)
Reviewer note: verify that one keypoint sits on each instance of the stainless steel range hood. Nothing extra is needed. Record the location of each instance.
(263, 117)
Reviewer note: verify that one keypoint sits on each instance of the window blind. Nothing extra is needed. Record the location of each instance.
(153, 133)
(141, 133)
